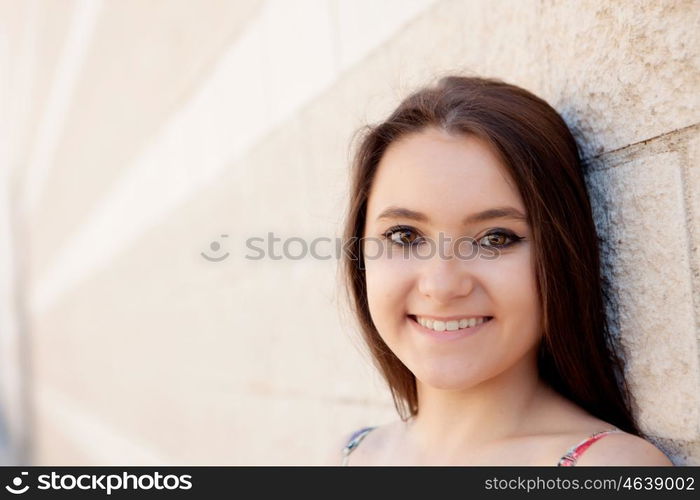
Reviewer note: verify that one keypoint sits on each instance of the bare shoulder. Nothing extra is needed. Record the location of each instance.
(365, 452)
(622, 448)
(333, 453)
(373, 447)
(568, 424)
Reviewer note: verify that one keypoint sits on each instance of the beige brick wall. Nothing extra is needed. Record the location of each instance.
(143, 132)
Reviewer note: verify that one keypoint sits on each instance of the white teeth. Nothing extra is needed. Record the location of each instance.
(450, 326)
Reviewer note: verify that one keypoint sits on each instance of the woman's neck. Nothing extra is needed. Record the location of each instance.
(449, 421)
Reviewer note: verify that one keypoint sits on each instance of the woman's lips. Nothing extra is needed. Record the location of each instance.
(449, 335)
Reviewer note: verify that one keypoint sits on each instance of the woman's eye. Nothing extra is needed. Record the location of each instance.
(401, 235)
(499, 239)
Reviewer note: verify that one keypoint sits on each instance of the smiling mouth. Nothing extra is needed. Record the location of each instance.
(449, 326)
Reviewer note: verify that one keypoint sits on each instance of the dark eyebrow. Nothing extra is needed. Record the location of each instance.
(491, 213)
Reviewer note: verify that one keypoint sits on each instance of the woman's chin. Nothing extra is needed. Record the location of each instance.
(447, 381)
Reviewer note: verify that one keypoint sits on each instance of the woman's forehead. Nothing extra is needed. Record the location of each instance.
(441, 174)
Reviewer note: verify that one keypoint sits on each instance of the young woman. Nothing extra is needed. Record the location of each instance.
(474, 274)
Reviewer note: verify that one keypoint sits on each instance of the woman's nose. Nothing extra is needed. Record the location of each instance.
(444, 278)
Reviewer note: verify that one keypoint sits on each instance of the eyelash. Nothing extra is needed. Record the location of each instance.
(500, 232)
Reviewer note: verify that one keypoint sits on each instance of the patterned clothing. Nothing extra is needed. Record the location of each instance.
(568, 460)
(570, 457)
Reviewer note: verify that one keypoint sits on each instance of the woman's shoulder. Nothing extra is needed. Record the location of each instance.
(622, 449)
(582, 441)
(595, 442)
(364, 445)
(574, 429)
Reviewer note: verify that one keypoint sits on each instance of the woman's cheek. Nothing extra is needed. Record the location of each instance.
(515, 289)
(389, 281)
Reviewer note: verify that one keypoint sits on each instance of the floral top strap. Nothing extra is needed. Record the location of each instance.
(354, 442)
(575, 452)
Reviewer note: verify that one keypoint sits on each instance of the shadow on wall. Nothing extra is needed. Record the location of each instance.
(7, 456)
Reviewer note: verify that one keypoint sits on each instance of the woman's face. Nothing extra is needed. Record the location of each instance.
(450, 180)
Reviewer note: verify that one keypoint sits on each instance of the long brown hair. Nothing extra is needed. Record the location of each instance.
(577, 355)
